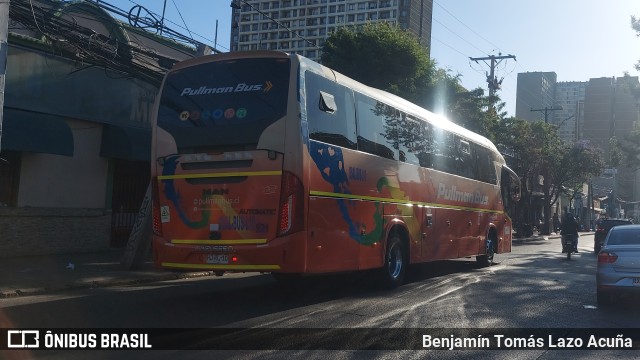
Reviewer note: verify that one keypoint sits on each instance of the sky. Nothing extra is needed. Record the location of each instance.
(577, 39)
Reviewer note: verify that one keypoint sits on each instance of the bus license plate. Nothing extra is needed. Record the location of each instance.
(216, 259)
(636, 281)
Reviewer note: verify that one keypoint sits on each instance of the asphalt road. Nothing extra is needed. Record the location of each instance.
(532, 287)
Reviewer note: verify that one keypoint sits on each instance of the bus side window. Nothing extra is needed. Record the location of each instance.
(414, 141)
(447, 155)
(464, 163)
(484, 168)
(377, 127)
(330, 111)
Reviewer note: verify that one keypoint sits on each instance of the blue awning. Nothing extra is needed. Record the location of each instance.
(36, 132)
(124, 142)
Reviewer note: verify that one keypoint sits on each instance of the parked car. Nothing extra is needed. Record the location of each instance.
(618, 269)
(602, 229)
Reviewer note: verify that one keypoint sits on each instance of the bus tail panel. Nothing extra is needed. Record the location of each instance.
(280, 255)
(208, 204)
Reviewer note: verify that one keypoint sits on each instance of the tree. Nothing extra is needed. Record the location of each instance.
(575, 166)
(635, 24)
(616, 155)
(630, 148)
(537, 151)
(386, 57)
(515, 139)
(630, 145)
(380, 55)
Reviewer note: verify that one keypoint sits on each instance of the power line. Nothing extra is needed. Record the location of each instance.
(88, 46)
(153, 22)
(179, 13)
(449, 46)
(493, 82)
(235, 6)
(465, 25)
(454, 33)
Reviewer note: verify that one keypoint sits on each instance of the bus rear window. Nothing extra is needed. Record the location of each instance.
(224, 104)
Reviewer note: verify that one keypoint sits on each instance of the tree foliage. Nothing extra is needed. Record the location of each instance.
(386, 57)
(616, 155)
(635, 24)
(380, 55)
(574, 167)
(536, 153)
(630, 148)
(630, 145)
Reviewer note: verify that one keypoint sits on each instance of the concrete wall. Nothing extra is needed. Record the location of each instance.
(78, 181)
(61, 200)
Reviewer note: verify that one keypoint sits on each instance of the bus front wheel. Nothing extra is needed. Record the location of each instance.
(395, 263)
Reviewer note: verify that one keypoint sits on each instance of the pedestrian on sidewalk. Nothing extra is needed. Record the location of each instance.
(556, 223)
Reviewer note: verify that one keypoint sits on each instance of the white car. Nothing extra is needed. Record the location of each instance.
(618, 268)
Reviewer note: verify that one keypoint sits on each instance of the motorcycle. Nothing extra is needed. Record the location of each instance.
(569, 245)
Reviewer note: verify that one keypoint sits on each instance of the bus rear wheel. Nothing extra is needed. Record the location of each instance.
(487, 259)
(395, 263)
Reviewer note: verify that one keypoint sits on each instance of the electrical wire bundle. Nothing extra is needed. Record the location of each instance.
(67, 38)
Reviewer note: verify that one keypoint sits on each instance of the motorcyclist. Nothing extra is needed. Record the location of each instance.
(570, 227)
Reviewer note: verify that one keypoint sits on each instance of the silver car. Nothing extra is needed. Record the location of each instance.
(619, 263)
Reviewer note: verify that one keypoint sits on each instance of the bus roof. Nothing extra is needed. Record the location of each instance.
(381, 95)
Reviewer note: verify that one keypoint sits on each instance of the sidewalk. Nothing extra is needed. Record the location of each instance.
(539, 237)
(32, 275)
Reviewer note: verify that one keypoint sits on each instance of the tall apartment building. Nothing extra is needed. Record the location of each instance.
(570, 96)
(535, 90)
(611, 109)
(302, 26)
(540, 90)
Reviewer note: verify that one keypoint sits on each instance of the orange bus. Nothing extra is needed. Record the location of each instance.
(265, 161)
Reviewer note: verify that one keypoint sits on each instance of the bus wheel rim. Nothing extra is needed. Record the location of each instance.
(395, 261)
(490, 251)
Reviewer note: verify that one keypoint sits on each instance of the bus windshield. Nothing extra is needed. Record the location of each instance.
(226, 103)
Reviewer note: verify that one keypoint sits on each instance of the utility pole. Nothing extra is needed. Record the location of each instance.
(546, 186)
(492, 79)
(546, 110)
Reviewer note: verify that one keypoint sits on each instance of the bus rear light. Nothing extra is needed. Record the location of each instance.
(234, 259)
(290, 214)
(285, 216)
(155, 206)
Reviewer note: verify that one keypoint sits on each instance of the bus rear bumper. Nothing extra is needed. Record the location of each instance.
(286, 254)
